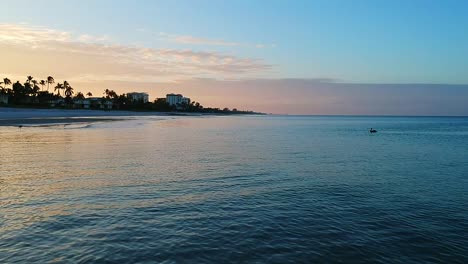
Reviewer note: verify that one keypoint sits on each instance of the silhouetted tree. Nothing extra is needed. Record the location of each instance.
(35, 90)
(28, 88)
(106, 92)
(50, 80)
(58, 87)
(65, 86)
(6, 82)
(113, 95)
(69, 91)
(123, 101)
(68, 94)
(18, 93)
(30, 93)
(80, 96)
(42, 83)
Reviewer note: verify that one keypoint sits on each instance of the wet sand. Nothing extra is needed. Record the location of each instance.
(52, 121)
(46, 117)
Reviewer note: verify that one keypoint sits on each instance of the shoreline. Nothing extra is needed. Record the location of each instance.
(11, 116)
(45, 122)
(38, 116)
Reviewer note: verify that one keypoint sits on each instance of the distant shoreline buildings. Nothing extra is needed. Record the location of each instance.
(177, 99)
(138, 97)
(29, 94)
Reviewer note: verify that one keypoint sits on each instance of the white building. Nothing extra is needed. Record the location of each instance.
(138, 97)
(177, 99)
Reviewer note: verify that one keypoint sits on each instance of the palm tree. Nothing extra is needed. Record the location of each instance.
(6, 81)
(50, 80)
(42, 83)
(58, 87)
(68, 94)
(68, 91)
(30, 78)
(65, 85)
(35, 89)
(89, 94)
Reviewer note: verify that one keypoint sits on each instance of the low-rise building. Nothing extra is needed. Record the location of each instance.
(82, 103)
(57, 103)
(138, 97)
(100, 102)
(107, 105)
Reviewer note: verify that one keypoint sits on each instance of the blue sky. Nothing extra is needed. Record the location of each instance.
(377, 42)
(355, 41)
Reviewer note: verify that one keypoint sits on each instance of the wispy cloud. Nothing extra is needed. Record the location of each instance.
(97, 57)
(24, 33)
(193, 40)
(202, 41)
(93, 39)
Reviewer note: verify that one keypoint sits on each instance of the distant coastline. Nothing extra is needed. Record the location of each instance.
(30, 95)
(29, 116)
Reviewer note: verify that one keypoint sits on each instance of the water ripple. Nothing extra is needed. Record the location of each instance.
(240, 190)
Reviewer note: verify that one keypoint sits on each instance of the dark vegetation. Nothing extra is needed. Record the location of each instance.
(48, 94)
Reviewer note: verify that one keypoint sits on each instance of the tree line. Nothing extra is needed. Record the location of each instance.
(34, 93)
(29, 92)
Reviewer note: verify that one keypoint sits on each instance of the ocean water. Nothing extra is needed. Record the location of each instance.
(238, 189)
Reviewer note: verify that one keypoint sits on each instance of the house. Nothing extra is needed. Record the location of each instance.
(138, 97)
(99, 102)
(177, 99)
(57, 103)
(3, 99)
(107, 105)
(82, 103)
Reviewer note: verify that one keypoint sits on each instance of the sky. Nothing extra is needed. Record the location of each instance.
(286, 57)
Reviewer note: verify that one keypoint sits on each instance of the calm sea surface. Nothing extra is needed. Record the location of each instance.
(239, 189)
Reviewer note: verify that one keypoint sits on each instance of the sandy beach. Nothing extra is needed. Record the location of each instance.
(35, 117)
